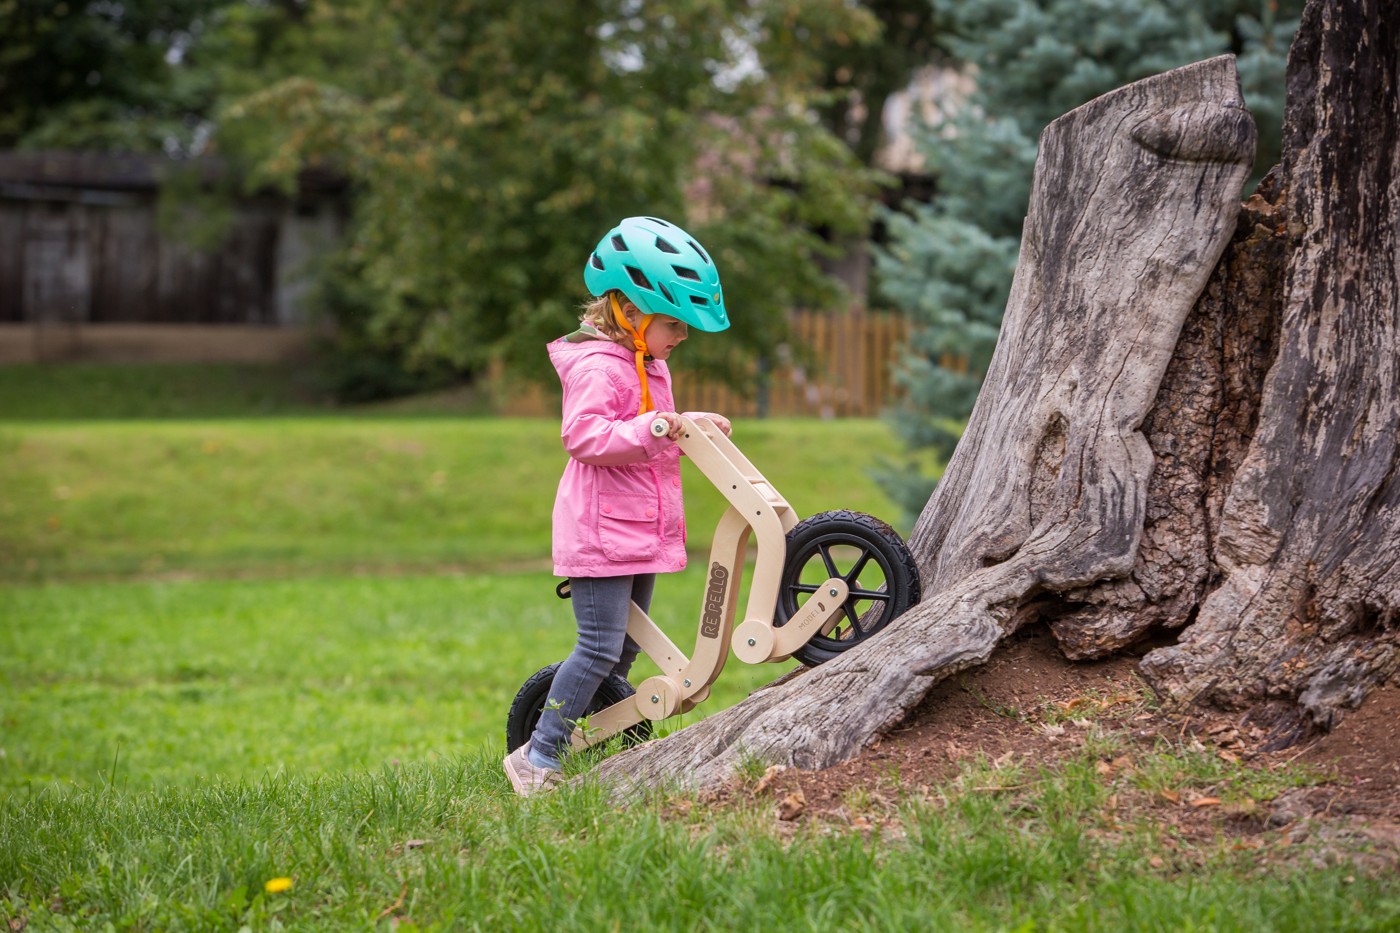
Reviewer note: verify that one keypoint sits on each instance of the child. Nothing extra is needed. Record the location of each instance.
(618, 515)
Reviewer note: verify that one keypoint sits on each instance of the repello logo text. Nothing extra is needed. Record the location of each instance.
(714, 601)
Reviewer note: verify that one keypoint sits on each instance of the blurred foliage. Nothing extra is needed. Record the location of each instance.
(95, 74)
(491, 144)
(948, 265)
(860, 76)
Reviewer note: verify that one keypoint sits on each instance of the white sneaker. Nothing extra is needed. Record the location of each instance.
(525, 777)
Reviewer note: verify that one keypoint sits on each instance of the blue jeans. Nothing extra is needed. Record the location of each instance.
(601, 607)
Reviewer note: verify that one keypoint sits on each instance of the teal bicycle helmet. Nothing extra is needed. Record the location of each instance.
(662, 269)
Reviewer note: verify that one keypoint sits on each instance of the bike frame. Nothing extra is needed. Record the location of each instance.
(756, 509)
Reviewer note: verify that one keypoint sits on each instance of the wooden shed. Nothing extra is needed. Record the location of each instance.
(83, 242)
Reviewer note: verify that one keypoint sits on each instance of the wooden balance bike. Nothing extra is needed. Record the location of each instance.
(820, 587)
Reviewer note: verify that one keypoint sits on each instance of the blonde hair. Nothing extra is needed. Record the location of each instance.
(598, 312)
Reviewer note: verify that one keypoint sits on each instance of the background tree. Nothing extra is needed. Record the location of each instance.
(88, 74)
(859, 77)
(948, 265)
(492, 143)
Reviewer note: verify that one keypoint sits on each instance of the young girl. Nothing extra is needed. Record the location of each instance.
(618, 515)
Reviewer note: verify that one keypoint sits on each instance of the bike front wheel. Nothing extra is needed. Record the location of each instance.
(865, 552)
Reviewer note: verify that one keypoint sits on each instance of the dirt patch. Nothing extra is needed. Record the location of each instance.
(1032, 706)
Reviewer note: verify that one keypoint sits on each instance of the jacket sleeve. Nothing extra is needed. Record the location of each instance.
(592, 432)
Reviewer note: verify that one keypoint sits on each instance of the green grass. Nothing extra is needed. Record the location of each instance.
(147, 684)
(297, 495)
(44, 392)
(237, 648)
(444, 846)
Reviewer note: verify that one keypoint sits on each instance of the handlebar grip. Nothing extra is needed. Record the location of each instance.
(660, 427)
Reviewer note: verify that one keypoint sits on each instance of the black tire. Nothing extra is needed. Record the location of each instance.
(529, 704)
(873, 560)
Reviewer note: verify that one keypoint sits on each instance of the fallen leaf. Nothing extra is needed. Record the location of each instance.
(1206, 802)
(1170, 796)
(1103, 767)
(792, 805)
(861, 823)
(1228, 756)
(1052, 731)
(1156, 861)
(769, 776)
(416, 844)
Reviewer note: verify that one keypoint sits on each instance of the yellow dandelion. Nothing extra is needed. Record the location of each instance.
(278, 885)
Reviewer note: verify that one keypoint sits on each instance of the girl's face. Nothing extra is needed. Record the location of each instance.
(664, 334)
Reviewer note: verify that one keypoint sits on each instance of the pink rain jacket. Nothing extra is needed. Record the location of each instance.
(619, 509)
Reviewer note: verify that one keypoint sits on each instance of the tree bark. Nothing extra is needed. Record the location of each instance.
(1191, 422)
(1302, 623)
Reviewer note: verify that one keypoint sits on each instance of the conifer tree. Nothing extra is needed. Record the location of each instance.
(948, 264)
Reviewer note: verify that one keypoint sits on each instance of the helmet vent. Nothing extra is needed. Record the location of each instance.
(619, 244)
(639, 279)
(685, 273)
(697, 300)
(596, 263)
(696, 246)
(666, 247)
(665, 293)
(658, 220)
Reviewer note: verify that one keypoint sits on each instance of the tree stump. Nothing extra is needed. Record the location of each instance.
(1135, 198)
(1191, 422)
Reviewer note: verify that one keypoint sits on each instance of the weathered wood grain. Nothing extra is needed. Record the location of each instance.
(1306, 619)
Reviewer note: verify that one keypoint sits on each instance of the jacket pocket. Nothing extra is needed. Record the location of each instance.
(628, 527)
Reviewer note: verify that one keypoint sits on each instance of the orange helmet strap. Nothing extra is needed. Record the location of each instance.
(639, 343)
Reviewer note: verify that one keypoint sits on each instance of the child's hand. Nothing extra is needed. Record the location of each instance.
(720, 421)
(673, 422)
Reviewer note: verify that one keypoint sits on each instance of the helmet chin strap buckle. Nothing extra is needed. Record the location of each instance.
(640, 343)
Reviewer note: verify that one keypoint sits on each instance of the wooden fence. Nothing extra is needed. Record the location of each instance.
(845, 372)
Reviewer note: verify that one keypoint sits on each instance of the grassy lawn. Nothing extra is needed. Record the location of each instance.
(443, 845)
(147, 684)
(243, 639)
(312, 495)
(42, 392)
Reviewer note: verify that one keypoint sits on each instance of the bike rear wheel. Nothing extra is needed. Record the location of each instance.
(530, 700)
